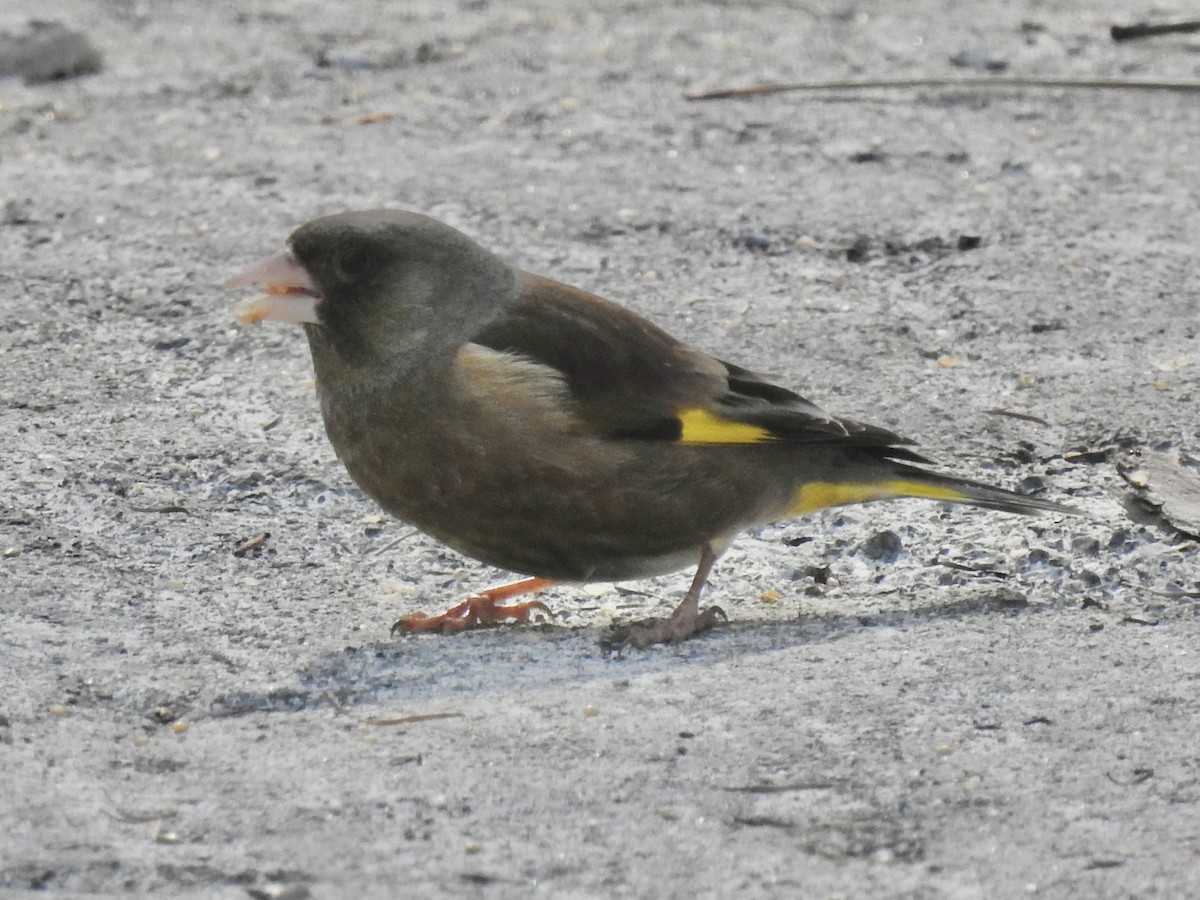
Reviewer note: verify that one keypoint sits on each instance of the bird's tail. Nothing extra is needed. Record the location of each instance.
(911, 481)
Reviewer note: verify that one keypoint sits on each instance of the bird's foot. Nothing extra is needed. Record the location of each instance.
(482, 608)
(684, 623)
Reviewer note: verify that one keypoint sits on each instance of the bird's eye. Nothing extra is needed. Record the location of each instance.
(351, 263)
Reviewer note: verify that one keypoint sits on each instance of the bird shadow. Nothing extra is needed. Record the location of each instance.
(425, 669)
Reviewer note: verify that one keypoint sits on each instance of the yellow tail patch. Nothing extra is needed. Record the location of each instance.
(822, 494)
(699, 426)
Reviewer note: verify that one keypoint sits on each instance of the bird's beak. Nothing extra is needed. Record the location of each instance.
(289, 292)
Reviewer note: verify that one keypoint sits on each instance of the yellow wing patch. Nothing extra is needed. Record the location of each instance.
(822, 494)
(699, 426)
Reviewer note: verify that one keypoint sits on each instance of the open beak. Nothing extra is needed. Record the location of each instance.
(289, 294)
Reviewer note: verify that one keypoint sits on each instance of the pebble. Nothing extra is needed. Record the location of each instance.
(883, 546)
(45, 51)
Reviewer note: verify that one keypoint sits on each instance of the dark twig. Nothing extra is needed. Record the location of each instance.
(1092, 84)
(816, 785)
(405, 720)
(973, 569)
(1142, 30)
(1013, 414)
(251, 545)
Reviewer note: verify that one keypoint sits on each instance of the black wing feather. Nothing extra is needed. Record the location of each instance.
(630, 379)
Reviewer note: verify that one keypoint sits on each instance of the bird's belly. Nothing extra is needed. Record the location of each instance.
(576, 509)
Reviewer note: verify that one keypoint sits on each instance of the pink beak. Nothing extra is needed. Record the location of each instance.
(289, 293)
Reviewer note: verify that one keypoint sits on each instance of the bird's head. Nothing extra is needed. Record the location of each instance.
(380, 290)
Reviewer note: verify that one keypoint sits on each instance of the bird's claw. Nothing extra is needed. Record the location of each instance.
(478, 609)
(679, 626)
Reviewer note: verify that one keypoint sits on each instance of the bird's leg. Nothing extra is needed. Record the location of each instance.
(481, 608)
(688, 619)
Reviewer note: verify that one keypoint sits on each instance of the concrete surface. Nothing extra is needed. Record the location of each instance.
(910, 701)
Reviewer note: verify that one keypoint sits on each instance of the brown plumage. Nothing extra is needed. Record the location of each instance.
(541, 429)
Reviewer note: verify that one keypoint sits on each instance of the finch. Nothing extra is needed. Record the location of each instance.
(547, 431)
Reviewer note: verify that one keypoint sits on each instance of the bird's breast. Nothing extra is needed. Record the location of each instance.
(507, 476)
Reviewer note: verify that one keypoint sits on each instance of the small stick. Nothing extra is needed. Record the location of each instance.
(404, 720)
(974, 570)
(1143, 30)
(135, 817)
(255, 543)
(1110, 84)
(1013, 414)
(333, 701)
(403, 537)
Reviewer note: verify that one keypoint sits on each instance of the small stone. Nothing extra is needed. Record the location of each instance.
(820, 574)
(859, 251)
(883, 546)
(45, 51)
(754, 242)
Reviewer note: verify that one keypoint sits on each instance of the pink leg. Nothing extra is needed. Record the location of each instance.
(481, 608)
(687, 621)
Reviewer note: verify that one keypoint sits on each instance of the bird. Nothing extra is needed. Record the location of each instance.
(547, 431)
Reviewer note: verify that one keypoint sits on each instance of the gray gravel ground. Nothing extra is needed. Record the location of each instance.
(911, 701)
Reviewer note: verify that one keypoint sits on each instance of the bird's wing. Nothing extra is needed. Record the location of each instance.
(627, 378)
